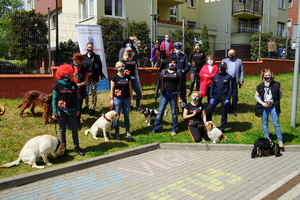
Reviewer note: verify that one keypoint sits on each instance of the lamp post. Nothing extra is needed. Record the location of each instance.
(155, 17)
(56, 26)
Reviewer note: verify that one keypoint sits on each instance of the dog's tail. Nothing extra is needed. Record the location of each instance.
(166, 112)
(16, 162)
(223, 138)
(86, 132)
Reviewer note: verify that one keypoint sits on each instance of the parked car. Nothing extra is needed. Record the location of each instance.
(10, 68)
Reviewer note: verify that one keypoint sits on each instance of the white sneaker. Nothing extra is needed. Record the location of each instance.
(128, 135)
(173, 133)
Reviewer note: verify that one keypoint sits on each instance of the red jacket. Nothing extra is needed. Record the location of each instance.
(206, 78)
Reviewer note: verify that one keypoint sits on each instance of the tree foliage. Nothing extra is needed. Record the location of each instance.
(141, 30)
(205, 40)
(112, 33)
(28, 36)
(264, 45)
(7, 6)
(66, 51)
(176, 36)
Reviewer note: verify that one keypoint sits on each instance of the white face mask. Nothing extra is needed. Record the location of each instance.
(167, 38)
(210, 62)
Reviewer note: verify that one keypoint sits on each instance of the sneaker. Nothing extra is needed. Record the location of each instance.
(128, 135)
(234, 113)
(92, 113)
(281, 146)
(151, 132)
(203, 139)
(173, 133)
(79, 151)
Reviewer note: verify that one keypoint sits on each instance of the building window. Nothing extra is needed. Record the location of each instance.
(243, 1)
(289, 23)
(87, 9)
(114, 8)
(173, 13)
(290, 3)
(242, 26)
(192, 3)
(280, 28)
(53, 20)
(191, 24)
(281, 4)
(255, 27)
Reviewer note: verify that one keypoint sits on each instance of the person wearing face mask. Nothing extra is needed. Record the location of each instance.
(131, 68)
(169, 84)
(206, 75)
(236, 70)
(93, 64)
(196, 61)
(194, 112)
(128, 43)
(220, 92)
(268, 95)
(65, 105)
(155, 56)
(166, 48)
(142, 54)
(121, 97)
(184, 67)
(81, 77)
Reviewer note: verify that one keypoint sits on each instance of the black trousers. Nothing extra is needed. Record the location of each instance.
(196, 130)
(224, 107)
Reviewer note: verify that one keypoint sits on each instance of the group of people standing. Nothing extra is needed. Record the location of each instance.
(218, 83)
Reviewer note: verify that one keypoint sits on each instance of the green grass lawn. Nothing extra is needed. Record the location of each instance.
(243, 129)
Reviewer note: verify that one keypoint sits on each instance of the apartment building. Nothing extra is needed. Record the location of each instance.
(230, 22)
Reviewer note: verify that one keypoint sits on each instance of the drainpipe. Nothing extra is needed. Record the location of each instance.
(269, 11)
(49, 43)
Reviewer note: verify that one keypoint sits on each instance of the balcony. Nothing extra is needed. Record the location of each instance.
(170, 3)
(251, 9)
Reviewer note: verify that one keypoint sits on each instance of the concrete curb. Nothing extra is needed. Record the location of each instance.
(23, 179)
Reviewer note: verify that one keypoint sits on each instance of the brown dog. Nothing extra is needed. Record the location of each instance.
(35, 98)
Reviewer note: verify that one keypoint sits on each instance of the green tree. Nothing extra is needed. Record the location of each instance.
(112, 33)
(66, 51)
(28, 36)
(140, 30)
(176, 36)
(205, 40)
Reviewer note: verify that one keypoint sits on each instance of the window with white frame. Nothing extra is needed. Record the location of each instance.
(192, 3)
(87, 9)
(289, 23)
(280, 28)
(255, 26)
(114, 8)
(53, 21)
(173, 13)
(242, 26)
(290, 3)
(281, 4)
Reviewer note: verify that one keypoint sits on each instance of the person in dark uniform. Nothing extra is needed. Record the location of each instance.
(196, 60)
(183, 66)
(220, 92)
(93, 64)
(169, 84)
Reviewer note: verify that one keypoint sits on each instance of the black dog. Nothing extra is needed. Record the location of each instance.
(151, 114)
(265, 147)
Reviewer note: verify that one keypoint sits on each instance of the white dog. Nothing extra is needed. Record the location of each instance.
(37, 148)
(214, 133)
(103, 124)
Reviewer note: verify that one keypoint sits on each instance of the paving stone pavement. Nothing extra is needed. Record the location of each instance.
(172, 171)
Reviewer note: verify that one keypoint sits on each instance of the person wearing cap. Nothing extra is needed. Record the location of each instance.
(131, 69)
(236, 70)
(169, 84)
(93, 64)
(184, 67)
(220, 92)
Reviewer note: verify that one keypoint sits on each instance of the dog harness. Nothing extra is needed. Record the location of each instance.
(106, 118)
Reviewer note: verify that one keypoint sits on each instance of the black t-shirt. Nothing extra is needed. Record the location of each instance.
(66, 95)
(198, 109)
(171, 80)
(130, 66)
(121, 90)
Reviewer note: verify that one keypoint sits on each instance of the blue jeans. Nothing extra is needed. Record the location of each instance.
(122, 104)
(164, 99)
(275, 121)
(136, 88)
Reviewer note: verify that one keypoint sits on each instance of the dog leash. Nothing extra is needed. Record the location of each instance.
(207, 148)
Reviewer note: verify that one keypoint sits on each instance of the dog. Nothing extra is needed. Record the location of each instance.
(214, 134)
(35, 98)
(37, 148)
(151, 114)
(2, 110)
(103, 124)
(265, 147)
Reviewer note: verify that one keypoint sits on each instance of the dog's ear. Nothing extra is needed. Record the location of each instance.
(209, 126)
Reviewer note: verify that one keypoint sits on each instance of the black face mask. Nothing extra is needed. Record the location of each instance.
(223, 71)
(231, 56)
(90, 50)
(65, 78)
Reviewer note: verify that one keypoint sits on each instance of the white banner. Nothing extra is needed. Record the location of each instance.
(93, 34)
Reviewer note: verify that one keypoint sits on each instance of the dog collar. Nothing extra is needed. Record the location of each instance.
(106, 118)
(57, 145)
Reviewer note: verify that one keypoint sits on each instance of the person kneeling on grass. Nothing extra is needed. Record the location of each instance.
(195, 114)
